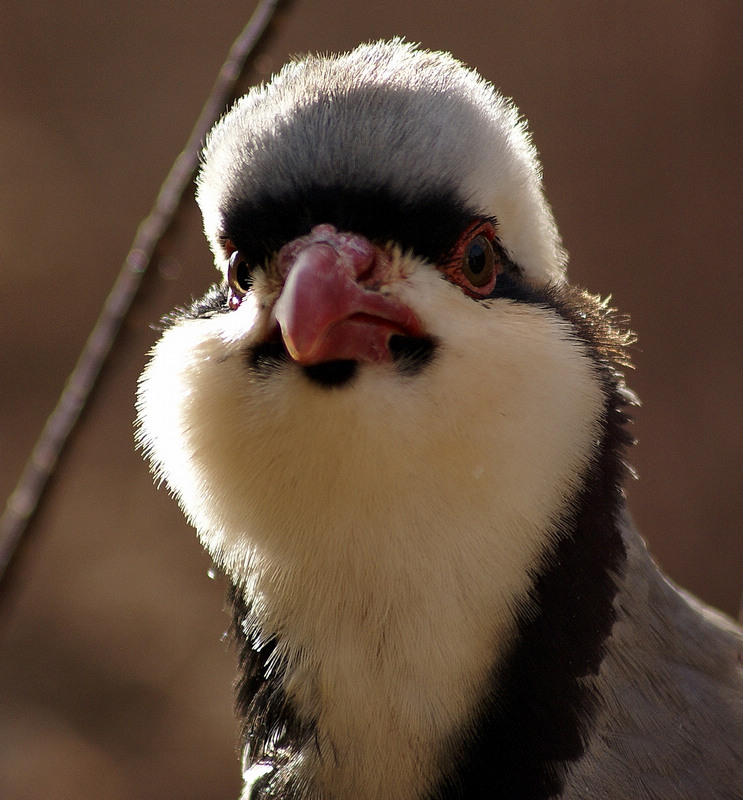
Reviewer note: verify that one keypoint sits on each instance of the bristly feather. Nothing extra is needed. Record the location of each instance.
(213, 302)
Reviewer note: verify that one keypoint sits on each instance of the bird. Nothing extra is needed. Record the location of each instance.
(402, 435)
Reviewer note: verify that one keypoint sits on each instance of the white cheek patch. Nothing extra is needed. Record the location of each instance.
(186, 376)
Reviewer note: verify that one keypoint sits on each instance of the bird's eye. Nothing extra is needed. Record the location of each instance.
(239, 274)
(478, 261)
(239, 278)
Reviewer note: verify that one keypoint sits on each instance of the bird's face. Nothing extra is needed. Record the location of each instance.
(383, 354)
(345, 375)
(330, 303)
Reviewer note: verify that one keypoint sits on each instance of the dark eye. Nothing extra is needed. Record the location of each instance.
(478, 261)
(239, 275)
(239, 279)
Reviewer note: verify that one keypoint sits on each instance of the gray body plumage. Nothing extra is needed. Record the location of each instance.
(670, 723)
(400, 432)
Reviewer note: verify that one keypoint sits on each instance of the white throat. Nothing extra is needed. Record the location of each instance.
(385, 530)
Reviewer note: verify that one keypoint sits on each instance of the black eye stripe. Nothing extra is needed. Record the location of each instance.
(429, 226)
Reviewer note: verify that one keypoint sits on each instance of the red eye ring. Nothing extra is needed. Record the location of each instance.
(475, 261)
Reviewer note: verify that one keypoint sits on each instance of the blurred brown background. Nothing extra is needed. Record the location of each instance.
(114, 678)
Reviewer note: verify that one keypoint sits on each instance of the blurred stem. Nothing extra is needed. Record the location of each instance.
(24, 502)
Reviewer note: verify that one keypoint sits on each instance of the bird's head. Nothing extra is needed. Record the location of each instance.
(389, 141)
(393, 344)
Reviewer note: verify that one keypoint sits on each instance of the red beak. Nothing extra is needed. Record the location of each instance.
(332, 306)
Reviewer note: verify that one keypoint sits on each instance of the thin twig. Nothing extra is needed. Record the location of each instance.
(25, 499)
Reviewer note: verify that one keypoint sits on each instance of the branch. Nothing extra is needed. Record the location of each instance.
(24, 501)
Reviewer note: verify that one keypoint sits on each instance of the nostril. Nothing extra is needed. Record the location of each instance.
(367, 271)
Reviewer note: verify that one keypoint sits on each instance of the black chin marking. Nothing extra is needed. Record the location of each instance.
(411, 354)
(266, 357)
(332, 373)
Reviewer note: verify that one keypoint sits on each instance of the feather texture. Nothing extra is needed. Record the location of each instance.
(438, 592)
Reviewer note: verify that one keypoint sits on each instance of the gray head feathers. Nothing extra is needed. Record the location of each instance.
(385, 116)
